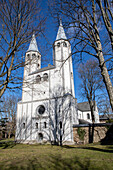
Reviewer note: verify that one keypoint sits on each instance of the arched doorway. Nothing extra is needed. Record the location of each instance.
(40, 136)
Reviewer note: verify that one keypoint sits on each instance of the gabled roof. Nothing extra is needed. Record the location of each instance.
(43, 69)
(33, 44)
(84, 106)
(61, 33)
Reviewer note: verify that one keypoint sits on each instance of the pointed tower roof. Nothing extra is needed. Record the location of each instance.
(61, 33)
(33, 44)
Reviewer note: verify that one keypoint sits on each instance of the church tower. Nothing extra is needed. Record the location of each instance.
(63, 60)
(33, 57)
(32, 64)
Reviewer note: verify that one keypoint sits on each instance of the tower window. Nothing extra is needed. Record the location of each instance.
(28, 58)
(58, 44)
(36, 125)
(38, 56)
(38, 79)
(64, 44)
(33, 55)
(88, 116)
(71, 74)
(60, 125)
(38, 65)
(23, 125)
(45, 125)
(45, 77)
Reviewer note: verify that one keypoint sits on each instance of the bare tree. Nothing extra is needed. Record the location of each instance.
(107, 15)
(18, 20)
(91, 82)
(9, 109)
(104, 105)
(86, 28)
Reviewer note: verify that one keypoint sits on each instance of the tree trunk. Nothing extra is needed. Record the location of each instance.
(9, 135)
(104, 71)
(91, 129)
(106, 20)
(5, 135)
(102, 65)
(106, 78)
(91, 133)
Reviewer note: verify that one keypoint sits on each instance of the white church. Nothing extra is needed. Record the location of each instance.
(48, 109)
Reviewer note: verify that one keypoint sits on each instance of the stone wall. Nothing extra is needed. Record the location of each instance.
(81, 134)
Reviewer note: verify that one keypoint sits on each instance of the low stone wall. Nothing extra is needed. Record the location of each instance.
(82, 133)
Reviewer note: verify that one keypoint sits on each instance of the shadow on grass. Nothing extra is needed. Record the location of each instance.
(69, 163)
(68, 147)
(9, 144)
(54, 162)
(109, 150)
(28, 165)
(57, 162)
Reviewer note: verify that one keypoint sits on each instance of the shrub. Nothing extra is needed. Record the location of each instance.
(81, 132)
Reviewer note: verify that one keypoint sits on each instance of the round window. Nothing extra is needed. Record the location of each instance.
(41, 109)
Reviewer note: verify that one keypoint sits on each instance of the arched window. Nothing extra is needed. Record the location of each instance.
(88, 116)
(23, 125)
(60, 124)
(41, 109)
(45, 77)
(33, 55)
(58, 44)
(38, 79)
(38, 65)
(64, 44)
(28, 58)
(45, 125)
(36, 125)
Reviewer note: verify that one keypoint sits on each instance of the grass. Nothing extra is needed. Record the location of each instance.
(31, 157)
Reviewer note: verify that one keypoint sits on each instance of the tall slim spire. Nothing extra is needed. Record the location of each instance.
(61, 33)
(33, 44)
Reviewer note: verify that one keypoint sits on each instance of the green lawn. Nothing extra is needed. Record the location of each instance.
(30, 157)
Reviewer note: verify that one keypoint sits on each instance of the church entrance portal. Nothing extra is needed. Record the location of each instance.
(40, 136)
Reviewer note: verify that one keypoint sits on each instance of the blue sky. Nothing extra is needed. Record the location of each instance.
(45, 44)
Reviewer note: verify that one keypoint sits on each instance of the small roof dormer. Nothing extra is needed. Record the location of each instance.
(33, 44)
(61, 33)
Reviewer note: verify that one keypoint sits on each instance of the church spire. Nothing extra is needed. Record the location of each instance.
(33, 44)
(61, 33)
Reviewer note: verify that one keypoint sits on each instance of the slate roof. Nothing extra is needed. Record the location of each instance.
(61, 33)
(33, 44)
(84, 106)
(43, 69)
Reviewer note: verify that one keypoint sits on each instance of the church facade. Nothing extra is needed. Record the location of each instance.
(48, 108)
